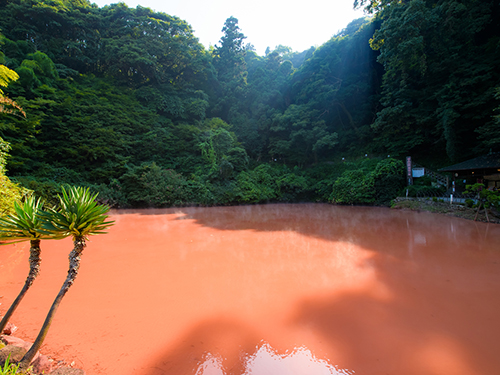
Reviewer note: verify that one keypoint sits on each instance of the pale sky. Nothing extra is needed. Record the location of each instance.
(297, 24)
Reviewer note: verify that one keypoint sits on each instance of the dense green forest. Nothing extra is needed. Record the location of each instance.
(129, 103)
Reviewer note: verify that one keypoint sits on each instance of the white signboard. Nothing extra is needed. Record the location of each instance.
(418, 172)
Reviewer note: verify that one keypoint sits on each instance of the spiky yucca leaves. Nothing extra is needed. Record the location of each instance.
(24, 225)
(80, 216)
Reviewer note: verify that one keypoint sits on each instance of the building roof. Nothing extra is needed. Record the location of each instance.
(490, 161)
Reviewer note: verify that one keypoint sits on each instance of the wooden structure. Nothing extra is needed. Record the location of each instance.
(484, 169)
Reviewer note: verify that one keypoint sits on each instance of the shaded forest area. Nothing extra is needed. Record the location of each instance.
(129, 103)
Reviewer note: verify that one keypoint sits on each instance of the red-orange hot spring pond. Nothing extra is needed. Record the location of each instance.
(306, 289)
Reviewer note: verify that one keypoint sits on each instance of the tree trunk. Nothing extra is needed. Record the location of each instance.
(349, 117)
(74, 265)
(33, 273)
(478, 209)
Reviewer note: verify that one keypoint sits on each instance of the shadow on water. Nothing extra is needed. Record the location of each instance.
(215, 342)
(374, 228)
(430, 308)
(428, 320)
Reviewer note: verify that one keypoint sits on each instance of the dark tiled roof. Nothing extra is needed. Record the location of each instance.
(482, 162)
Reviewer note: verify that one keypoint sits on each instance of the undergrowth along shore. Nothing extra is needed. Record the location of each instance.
(445, 208)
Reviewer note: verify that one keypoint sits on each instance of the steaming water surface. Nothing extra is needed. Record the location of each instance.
(306, 289)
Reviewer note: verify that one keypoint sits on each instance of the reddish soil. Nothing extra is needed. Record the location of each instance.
(277, 289)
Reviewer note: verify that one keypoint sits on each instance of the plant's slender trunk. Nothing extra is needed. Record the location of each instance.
(74, 265)
(477, 212)
(34, 270)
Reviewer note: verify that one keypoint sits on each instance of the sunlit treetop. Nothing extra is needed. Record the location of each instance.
(374, 6)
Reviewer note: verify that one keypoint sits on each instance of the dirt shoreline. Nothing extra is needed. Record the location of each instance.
(444, 208)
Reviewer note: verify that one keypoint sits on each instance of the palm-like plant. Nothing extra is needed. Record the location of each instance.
(79, 216)
(24, 225)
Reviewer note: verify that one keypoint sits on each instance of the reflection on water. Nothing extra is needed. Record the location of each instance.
(267, 361)
(211, 366)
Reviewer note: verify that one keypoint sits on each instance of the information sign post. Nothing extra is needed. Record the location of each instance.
(409, 174)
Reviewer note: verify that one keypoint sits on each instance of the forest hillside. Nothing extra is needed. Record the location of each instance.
(129, 103)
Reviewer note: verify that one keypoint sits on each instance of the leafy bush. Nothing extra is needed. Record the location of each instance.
(222, 193)
(321, 178)
(42, 187)
(198, 191)
(48, 182)
(292, 186)
(389, 179)
(152, 186)
(268, 183)
(257, 185)
(488, 198)
(111, 194)
(353, 187)
(10, 192)
(369, 184)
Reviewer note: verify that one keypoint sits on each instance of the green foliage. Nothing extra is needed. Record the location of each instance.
(10, 191)
(353, 187)
(486, 196)
(221, 151)
(149, 185)
(10, 194)
(42, 187)
(292, 186)
(489, 133)
(321, 178)
(110, 194)
(332, 98)
(6, 75)
(440, 65)
(26, 223)
(267, 183)
(8, 368)
(257, 185)
(78, 215)
(229, 62)
(119, 100)
(370, 184)
(389, 179)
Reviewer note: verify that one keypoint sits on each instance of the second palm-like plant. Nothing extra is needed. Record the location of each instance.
(79, 216)
(24, 225)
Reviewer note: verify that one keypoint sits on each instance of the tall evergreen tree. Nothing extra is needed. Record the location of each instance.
(229, 62)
